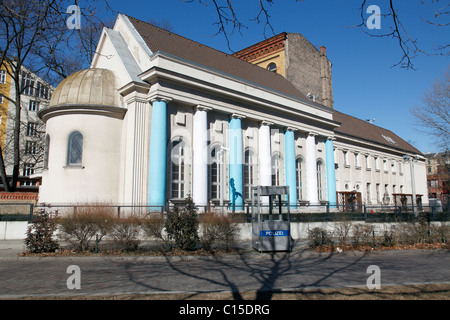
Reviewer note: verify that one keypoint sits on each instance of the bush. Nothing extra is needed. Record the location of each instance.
(319, 237)
(217, 231)
(363, 235)
(181, 226)
(125, 233)
(39, 237)
(341, 232)
(80, 226)
(153, 227)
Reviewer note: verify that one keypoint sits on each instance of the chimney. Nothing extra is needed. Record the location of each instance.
(325, 71)
(323, 50)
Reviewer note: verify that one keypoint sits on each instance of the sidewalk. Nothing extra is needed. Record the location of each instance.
(11, 248)
(251, 271)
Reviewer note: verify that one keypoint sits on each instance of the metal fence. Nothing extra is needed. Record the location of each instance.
(301, 213)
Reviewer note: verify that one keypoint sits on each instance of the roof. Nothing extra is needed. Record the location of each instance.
(354, 127)
(87, 87)
(158, 39)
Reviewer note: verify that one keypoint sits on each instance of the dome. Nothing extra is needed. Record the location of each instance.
(96, 87)
(86, 91)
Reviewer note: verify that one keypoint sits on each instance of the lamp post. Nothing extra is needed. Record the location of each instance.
(413, 183)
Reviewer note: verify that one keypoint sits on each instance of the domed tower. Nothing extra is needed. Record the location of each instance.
(83, 140)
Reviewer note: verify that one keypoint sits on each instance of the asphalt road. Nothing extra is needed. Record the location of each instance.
(22, 277)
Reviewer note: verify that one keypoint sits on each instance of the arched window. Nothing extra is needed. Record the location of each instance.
(276, 170)
(46, 150)
(75, 149)
(177, 169)
(319, 179)
(272, 67)
(214, 171)
(249, 173)
(299, 173)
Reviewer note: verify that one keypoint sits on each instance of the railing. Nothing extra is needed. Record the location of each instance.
(301, 213)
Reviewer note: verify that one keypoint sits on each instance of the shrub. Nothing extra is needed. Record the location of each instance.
(319, 237)
(39, 237)
(80, 226)
(341, 232)
(125, 233)
(362, 234)
(389, 239)
(181, 226)
(217, 231)
(153, 227)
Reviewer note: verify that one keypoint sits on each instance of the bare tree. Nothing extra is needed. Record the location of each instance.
(433, 114)
(435, 13)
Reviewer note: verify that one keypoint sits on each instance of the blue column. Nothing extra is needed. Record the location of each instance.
(158, 153)
(235, 160)
(289, 159)
(331, 175)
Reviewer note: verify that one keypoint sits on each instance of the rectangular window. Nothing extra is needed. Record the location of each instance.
(41, 90)
(346, 163)
(378, 192)
(33, 105)
(32, 129)
(357, 160)
(28, 169)
(434, 183)
(27, 84)
(2, 76)
(367, 162)
(30, 147)
(377, 163)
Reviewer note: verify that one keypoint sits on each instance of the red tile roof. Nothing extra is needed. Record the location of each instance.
(158, 39)
(354, 127)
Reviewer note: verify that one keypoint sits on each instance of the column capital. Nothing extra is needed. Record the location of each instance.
(332, 138)
(158, 97)
(202, 108)
(265, 123)
(291, 129)
(237, 116)
(312, 134)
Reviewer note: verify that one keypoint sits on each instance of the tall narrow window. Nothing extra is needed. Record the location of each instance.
(319, 180)
(214, 170)
(249, 173)
(27, 84)
(46, 151)
(298, 171)
(2, 76)
(32, 129)
(177, 169)
(75, 149)
(276, 170)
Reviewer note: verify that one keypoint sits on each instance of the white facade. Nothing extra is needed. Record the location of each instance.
(167, 116)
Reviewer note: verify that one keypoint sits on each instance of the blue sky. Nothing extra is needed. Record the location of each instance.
(365, 83)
